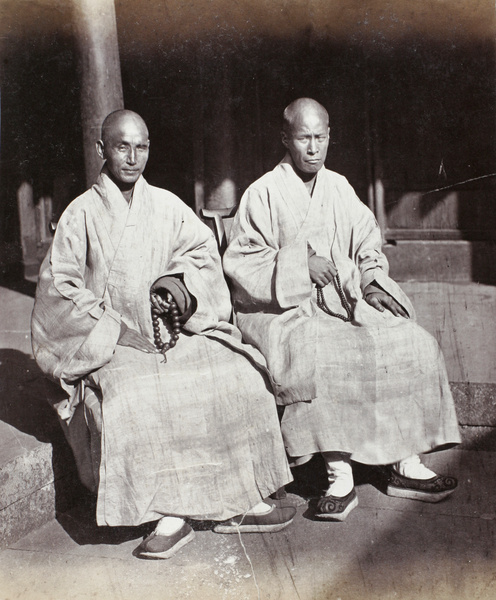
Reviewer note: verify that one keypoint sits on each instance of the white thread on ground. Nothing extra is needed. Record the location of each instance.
(247, 557)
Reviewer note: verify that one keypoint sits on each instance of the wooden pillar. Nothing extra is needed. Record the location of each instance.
(100, 73)
(220, 187)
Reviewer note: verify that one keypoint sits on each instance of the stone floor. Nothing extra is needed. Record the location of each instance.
(387, 549)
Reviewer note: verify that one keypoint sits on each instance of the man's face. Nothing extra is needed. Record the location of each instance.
(308, 140)
(125, 149)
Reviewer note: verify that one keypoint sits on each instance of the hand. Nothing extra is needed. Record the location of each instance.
(134, 339)
(321, 270)
(381, 300)
(161, 303)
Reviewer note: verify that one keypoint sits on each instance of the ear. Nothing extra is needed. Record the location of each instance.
(100, 149)
(284, 139)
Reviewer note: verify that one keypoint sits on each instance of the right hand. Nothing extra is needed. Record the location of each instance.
(134, 339)
(321, 270)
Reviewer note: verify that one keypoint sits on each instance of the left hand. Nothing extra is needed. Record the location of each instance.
(381, 301)
(162, 306)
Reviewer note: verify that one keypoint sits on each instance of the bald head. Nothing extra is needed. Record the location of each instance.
(305, 134)
(124, 146)
(115, 120)
(297, 110)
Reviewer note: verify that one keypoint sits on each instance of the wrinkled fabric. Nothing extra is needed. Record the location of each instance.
(375, 387)
(195, 436)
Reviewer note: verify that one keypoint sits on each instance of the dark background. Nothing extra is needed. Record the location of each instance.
(410, 88)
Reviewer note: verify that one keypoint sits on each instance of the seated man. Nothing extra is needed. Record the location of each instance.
(359, 379)
(186, 430)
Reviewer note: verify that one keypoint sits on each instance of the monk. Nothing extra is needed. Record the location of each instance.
(182, 417)
(358, 378)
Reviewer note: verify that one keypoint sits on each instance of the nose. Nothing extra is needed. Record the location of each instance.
(131, 156)
(312, 146)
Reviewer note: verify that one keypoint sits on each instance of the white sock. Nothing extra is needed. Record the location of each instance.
(412, 468)
(169, 525)
(260, 509)
(339, 473)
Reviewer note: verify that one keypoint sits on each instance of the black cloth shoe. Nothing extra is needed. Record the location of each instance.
(335, 508)
(164, 546)
(435, 489)
(275, 520)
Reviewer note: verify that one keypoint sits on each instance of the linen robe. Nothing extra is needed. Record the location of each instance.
(375, 387)
(196, 436)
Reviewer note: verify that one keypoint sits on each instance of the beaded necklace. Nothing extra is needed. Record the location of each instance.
(322, 304)
(174, 327)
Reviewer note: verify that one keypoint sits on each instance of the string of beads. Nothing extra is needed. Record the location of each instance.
(322, 304)
(172, 312)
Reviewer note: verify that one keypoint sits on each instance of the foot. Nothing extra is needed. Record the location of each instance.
(274, 520)
(336, 508)
(157, 546)
(434, 489)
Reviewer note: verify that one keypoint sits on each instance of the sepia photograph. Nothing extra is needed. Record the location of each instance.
(247, 299)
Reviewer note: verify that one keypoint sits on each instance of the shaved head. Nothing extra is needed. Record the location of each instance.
(294, 113)
(305, 134)
(124, 147)
(115, 119)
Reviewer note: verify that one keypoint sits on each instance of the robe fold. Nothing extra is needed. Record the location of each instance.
(376, 387)
(196, 436)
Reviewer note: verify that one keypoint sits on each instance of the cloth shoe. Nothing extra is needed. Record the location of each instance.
(336, 508)
(157, 546)
(430, 489)
(275, 520)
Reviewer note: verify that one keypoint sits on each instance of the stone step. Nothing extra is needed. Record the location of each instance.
(442, 260)
(38, 482)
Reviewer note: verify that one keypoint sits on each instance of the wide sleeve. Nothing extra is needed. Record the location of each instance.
(263, 274)
(367, 244)
(195, 260)
(73, 331)
(367, 253)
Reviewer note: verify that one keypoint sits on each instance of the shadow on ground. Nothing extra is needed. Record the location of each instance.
(26, 397)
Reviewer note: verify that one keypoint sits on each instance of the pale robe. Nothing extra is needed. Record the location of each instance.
(196, 436)
(375, 388)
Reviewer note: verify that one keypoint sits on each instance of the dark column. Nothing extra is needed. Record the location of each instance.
(218, 142)
(101, 84)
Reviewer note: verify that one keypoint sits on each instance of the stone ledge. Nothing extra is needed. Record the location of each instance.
(453, 261)
(478, 438)
(475, 403)
(36, 486)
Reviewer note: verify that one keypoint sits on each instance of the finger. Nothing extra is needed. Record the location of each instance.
(394, 307)
(332, 269)
(375, 302)
(156, 304)
(386, 303)
(402, 311)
